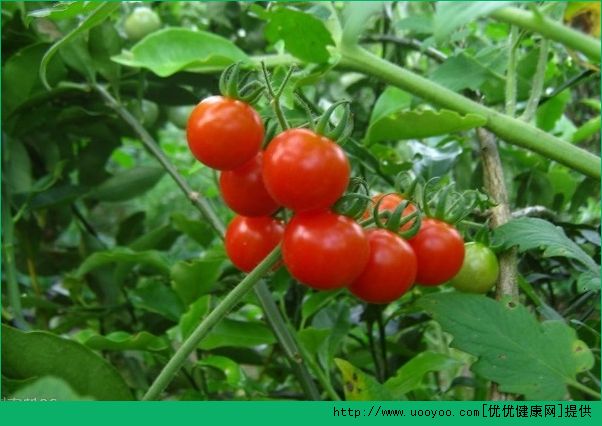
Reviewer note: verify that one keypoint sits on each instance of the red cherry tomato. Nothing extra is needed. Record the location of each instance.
(305, 171)
(224, 133)
(391, 268)
(324, 250)
(439, 249)
(243, 189)
(250, 239)
(390, 203)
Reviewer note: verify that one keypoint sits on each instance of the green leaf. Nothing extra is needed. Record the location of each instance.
(359, 386)
(526, 357)
(170, 50)
(100, 13)
(48, 388)
(587, 130)
(63, 10)
(192, 279)
(461, 72)
(410, 375)
(20, 81)
(239, 334)
(550, 112)
(313, 339)
(288, 25)
(418, 124)
(315, 301)
(452, 15)
(75, 55)
(39, 353)
(154, 296)
(123, 255)
(389, 102)
(128, 184)
(356, 17)
(197, 229)
(533, 233)
(232, 372)
(194, 315)
(121, 341)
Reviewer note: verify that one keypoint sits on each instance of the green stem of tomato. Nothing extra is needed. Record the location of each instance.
(225, 306)
(585, 389)
(285, 336)
(510, 129)
(551, 30)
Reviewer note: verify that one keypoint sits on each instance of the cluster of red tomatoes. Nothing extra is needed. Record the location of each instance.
(307, 173)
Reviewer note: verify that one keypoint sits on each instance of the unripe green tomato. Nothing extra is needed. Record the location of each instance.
(178, 115)
(479, 271)
(141, 22)
(150, 112)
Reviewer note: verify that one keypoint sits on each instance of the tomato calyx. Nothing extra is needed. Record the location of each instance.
(399, 221)
(355, 201)
(233, 85)
(342, 129)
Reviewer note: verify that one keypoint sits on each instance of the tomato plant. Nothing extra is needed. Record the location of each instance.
(324, 250)
(479, 271)
(303, 170)
(243, 189)
(439, 249)
(224, 133)
(249, 240)
(391, 268)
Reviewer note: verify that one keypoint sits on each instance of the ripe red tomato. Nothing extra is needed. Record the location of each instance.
(439, 249)
(324, 250)
(243, 189)
(390, 203)
(250, 239)
(305, 171)
(391, 268)
(224, 133)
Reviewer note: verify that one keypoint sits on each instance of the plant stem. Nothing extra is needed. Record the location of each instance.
(507, 128)
(585, 389)
(149, 142)
(538, 82)
(511, 72)
(273, 315)
(220, 311)
(12, 285)
(551, 30)
(493, 174)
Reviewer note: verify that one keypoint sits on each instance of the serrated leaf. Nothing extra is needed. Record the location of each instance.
(416, 124)
(359, 386)
(533, 233)
(452, 15)
(128, 184)
(410, 375)
(123, 255)
(48, 388)
(287, 25)
(39, 353)
(121, 341)
(524, 356)
(170, 50)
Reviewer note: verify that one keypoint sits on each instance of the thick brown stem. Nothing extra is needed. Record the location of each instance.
(500, 214)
